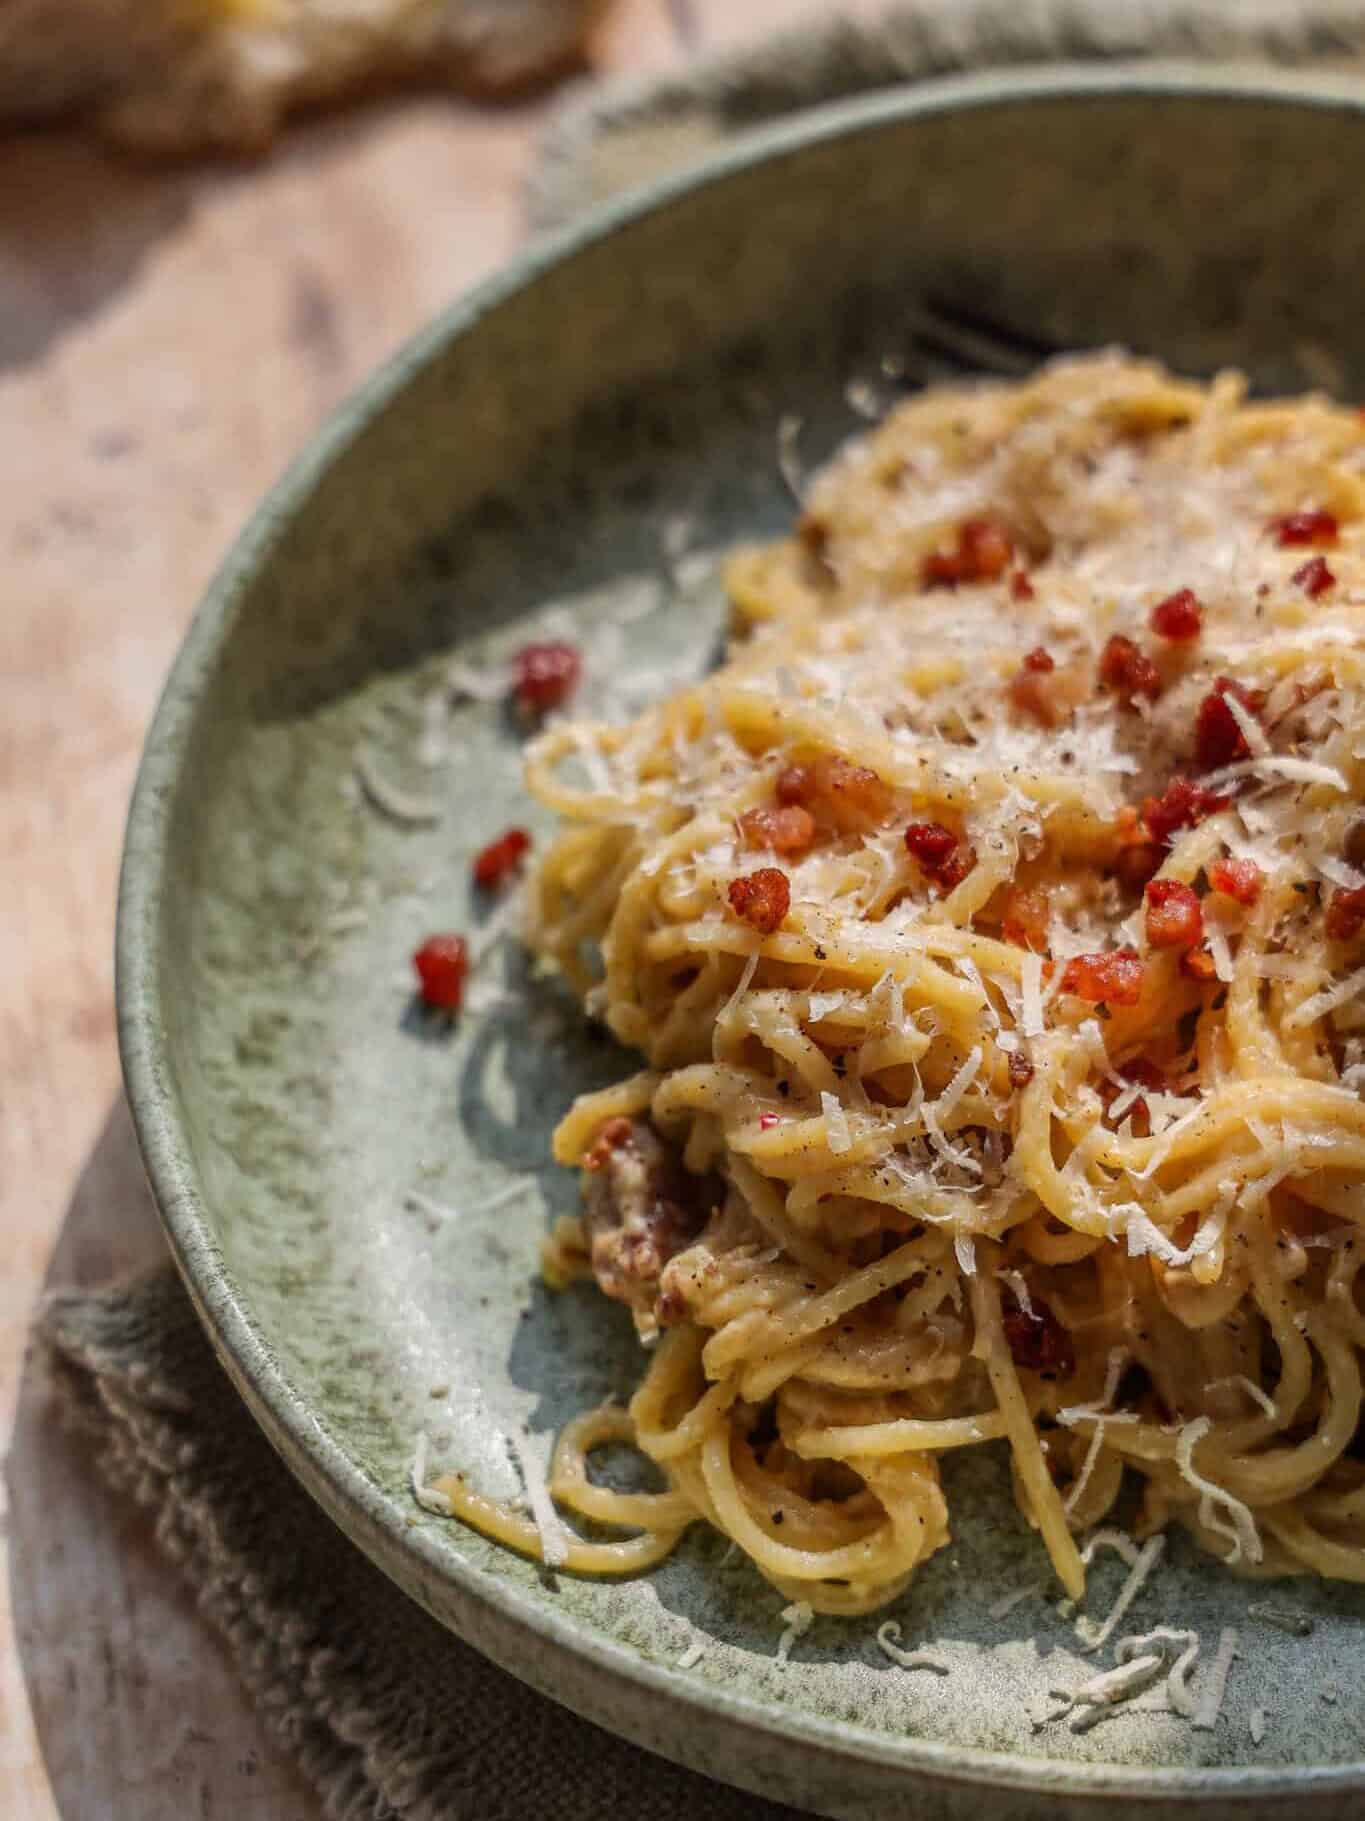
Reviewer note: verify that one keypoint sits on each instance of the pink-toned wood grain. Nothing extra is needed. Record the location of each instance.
(168, 339)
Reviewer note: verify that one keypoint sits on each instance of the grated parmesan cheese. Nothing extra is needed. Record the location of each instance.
(965, 1249)
(1243, 1534)
(887, 1636)
(820, 1005)
(1092, 1454)
(742, 986)
(1166, 1142)
(554, 1539)
(1095, 1637)
(1257, 1725)
(1112, 1686)
(933, 1111)
(1178, 1692)
(1019, 1285)
(1337, 872)
(1145, 1236)
(836, 1123)
(886, 1006)
(1091, 1038)
(1119, 1541)
(1031, 981)
(1252, 1389)
(798, 1619)
(693, 1654)
(1220, 949)
(1075, 1413)
(400, 806)
(1252, 731)
(1125, 1101)
(428, 1497)
(957, 1087)
(970, 971)
(1298, 771)
(1319, 1004)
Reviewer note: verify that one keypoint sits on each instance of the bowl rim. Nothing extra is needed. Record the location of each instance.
(532, 1640)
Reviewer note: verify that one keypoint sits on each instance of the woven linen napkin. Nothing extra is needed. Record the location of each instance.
(388, 1714)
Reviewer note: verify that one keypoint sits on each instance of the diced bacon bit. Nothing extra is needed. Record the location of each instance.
(1310, 527)
(788, 829)
(1240, 880)
(442, 964)
(761, 899)
(1183, 804)
(1146, 836)
(1179, 617)
(1020, 1069)
(501, 858)
(1032, 691)
(1314, 577)
(1037, 1340)
(951, 875)
(1346, 914)
(1136, 862)
(1021, 588)
(1174, 919)
(610, 1137)
(1026, 919)
(1128, 669)
(1111, 978)
(939, 853)
(766, 1121)
(984, 552)
(795, 784)
(1138, 856)
(931, 844)
(545, 675)
(1218, 740)
(1199, 964)
(854, 797)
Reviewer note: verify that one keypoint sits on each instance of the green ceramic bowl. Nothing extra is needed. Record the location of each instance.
(572, 445)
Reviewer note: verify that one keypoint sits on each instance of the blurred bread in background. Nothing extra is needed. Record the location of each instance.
(177, 78)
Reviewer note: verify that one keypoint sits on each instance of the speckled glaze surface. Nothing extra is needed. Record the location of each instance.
(581, 438)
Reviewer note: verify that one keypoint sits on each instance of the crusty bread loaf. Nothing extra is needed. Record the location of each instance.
(179, 77)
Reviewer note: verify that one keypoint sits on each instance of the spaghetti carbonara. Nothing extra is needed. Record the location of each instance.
(990, 926)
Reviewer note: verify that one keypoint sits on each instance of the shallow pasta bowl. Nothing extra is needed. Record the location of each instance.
(355, 1196)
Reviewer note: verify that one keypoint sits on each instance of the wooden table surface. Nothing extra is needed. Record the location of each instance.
(168, 339)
